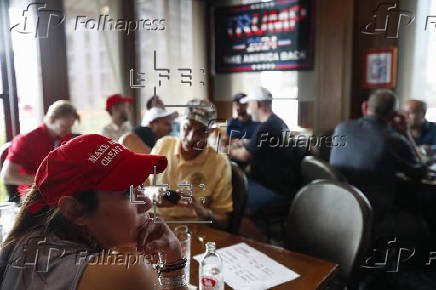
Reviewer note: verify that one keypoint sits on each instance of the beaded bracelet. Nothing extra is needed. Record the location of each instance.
(180, 264)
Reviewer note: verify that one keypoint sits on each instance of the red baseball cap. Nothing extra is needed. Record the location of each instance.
(117, 99)
(91, 162)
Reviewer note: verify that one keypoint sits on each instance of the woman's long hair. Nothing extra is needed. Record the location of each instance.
(50, 220)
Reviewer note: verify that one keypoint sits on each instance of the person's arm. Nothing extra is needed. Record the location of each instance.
(245, 149)
(112, 276)
(106, 276)
(406, 158)
(221, 204)
(10, 174)
(219, 218)
(153, 240)
(132, 142)
(239, 153)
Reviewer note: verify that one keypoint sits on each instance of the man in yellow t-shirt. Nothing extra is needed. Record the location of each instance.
(195, 166)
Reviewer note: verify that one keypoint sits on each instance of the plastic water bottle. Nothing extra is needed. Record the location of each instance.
(211, 270)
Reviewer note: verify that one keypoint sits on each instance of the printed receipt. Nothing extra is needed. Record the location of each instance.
(247, 268)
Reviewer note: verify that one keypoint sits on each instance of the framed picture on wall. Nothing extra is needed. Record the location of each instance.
(379, 68)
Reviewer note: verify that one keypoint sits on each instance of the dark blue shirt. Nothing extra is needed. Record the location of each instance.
(428, 134)
(146, 134)
(241, 130)
(371, 158)
(273, 163)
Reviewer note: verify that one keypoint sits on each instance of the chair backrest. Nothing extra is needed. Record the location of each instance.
(239, 197)
(313, 168)
(332, 221)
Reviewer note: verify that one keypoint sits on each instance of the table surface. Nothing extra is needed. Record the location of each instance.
(314, 273)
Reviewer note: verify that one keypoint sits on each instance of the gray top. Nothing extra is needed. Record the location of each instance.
(373, 155)
(44, 261)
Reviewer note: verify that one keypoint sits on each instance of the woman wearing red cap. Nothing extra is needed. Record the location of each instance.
(80, 207)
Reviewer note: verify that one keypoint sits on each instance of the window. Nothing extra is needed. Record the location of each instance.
(419, 48)
(27, 70)
(93, 59)
(179, 45)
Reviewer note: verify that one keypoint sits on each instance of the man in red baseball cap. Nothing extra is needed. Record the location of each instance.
(119, 108)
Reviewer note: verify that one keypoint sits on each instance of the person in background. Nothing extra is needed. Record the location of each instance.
(241, 127)
(28, 150)
(423, 132)
(195, 166)
(119, 109)
(80, 230)
(272, 169)
(379, 146)
(154, 101)
(157, 125)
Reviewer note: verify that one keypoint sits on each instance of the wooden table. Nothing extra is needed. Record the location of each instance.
(314, 273)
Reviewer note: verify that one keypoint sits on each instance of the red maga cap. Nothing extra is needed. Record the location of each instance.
(117, 99)
(91, 162)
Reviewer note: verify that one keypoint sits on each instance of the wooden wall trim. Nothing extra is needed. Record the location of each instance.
(53, 61)
(9, 94)
(333, 56)
(129, 59)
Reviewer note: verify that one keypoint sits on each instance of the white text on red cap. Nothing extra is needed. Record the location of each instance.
(102, 149)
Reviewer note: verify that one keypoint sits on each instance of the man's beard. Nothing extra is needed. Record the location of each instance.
(124, 118)
(242, 113)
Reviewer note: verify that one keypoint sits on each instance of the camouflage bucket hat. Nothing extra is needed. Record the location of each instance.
(202, 111)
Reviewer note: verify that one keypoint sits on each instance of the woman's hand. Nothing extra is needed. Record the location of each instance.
(154, 238)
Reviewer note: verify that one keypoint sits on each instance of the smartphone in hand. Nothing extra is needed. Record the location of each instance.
(171, 196)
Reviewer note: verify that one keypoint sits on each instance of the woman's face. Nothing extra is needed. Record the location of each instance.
(116, 221)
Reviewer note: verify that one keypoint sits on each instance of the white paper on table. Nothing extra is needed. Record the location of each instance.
(247, 268)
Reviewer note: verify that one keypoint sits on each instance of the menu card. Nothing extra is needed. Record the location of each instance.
(247, 268)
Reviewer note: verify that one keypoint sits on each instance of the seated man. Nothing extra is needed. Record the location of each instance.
(375, 153)
(119, 109)
(194, 165)
(157, 125)
(243, 126)
(28, 150)
(273, 167)
(423, 132)
(156, 101)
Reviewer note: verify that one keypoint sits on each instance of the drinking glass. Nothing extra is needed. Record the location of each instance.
(7, 218)
(184, 237)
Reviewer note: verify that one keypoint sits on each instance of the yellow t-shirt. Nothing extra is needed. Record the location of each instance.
(209, 174)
